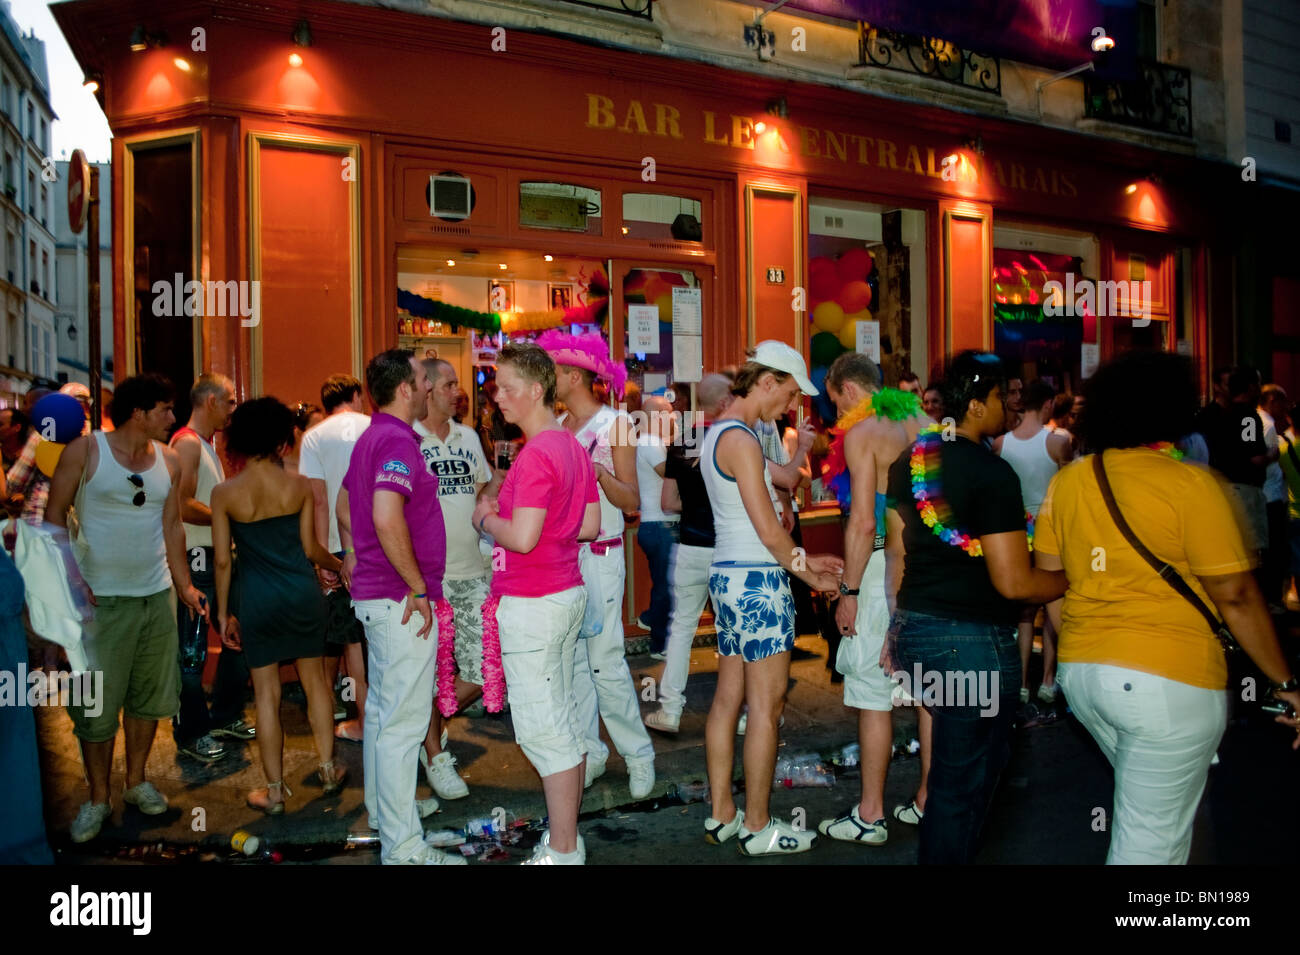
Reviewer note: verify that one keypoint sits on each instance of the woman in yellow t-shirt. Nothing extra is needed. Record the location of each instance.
(1138, 663)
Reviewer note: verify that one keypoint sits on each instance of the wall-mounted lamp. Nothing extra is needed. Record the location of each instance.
(182, 64)
(1101, 43)
(295, 59)
(302, 33)
(974, 143)
(93, 81)
(1131, 188)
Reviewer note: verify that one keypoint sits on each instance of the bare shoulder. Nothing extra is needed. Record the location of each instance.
(170, 457)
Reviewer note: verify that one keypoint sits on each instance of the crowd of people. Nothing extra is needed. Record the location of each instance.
(442, 567)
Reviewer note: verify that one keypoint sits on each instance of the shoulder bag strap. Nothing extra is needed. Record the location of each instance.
(1167, 571)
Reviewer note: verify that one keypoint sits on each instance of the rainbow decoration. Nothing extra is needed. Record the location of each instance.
(446, 658)
(494, 673)
(927, 491)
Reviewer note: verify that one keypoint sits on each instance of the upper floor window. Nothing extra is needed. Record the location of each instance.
(6, 97)
(31, 122)
(1147, 32)
(45, 137)
(558, 205)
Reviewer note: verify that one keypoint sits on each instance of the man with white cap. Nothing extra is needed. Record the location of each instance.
(602, 682)
(753, 607)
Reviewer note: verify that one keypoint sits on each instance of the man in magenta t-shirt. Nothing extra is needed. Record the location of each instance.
(547, 504)
(395, 549)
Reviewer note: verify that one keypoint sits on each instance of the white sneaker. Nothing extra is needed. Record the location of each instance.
(641, 777)
(1047, 693)
(442, 775)
(90, 819)
(660, 720)
(595, 769)
(145, 798)
(851, 827)
(719, 832)
(775, 839)
(543, 854)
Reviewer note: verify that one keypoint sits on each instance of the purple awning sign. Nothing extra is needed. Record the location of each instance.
(1051, 33)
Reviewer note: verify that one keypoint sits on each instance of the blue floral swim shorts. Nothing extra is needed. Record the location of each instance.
(753, 609)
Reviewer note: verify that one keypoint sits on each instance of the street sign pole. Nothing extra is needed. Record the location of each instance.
(92, 248)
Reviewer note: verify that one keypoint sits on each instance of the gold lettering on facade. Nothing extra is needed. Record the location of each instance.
(637, 114)
(600, 112)
(710, 134)
(668, 121)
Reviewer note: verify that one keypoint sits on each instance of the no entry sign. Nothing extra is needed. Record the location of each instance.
(78, 190)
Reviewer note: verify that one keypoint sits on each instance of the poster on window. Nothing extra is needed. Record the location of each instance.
(643, 329)
(869, 340)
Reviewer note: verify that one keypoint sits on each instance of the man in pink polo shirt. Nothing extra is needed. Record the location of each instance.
(390, 526)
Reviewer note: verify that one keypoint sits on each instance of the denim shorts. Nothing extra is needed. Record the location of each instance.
(753, 609)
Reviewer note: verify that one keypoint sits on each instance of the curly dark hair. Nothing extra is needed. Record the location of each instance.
(260, 428)
(140, 393)
(1138, 398)
(970, 376)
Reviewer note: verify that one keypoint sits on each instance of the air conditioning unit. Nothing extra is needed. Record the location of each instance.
(450, 197)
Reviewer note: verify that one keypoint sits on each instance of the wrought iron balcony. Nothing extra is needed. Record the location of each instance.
(1159, 99)
(928, 56)
(642, 9)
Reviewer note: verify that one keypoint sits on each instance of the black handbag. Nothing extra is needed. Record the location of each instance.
(1167, 571)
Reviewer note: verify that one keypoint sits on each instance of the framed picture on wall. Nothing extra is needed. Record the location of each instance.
(560, 295)
(501, 296)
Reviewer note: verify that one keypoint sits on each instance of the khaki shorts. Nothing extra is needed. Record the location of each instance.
(132, 641)
(866, 685)
(539, 639)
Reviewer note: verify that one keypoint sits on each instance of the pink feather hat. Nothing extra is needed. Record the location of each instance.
(589, 351)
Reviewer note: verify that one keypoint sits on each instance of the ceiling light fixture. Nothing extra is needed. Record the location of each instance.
(182, 64)
(501, 266)
(451, 263)
(548, 258)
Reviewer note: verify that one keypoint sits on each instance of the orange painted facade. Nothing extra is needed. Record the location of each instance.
(311, 178)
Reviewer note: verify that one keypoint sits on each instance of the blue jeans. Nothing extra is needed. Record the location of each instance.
(229, 691)
(657, 539)
(970, 677)
(22, 831)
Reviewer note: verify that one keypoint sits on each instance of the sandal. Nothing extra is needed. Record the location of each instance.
(332, 779)
(261, 798)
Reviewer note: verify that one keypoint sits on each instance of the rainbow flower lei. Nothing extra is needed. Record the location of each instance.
(927, 490)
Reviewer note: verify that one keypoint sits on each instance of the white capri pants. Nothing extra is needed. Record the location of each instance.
(539, 637)
(1160, 736)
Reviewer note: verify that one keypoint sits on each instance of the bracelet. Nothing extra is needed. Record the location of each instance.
(348, 550)
(482, 524)
(419, 596)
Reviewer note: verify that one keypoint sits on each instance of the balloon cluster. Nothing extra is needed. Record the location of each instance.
(59, 418)
(840, 294)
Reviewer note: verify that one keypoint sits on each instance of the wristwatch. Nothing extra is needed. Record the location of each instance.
(1284, 687)
(846, 592)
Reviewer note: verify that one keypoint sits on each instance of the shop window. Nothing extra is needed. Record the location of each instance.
(670, 218)
(650, 297)
(161, 206)
(1033, 341)
(865, 287)
(561, 206)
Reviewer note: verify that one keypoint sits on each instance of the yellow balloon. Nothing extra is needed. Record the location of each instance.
(47, 456)
(862, 316)
(828, 317)
(849, 335)
(665, 303)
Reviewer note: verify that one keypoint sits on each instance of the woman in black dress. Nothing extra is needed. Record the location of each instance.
(282, 614)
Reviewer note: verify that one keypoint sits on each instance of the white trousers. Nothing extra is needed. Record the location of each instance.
(1160, 736)
(689, 577)
(399, 705)
(602, 682)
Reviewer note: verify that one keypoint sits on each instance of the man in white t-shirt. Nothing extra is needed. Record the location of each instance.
(657, 533)
(453, 454)
(323, 460)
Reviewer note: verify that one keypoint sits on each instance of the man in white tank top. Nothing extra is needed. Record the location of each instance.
(602, 682)
(213, 401)
(131, 545)
(1035, 452)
